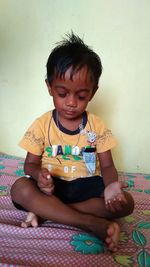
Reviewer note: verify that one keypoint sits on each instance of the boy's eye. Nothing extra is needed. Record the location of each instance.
(81, 97)
(62, 95)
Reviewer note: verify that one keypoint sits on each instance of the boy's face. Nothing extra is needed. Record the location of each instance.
(71, 96)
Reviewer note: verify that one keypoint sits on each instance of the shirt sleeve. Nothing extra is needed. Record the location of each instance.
(105, 139)
(34, 138)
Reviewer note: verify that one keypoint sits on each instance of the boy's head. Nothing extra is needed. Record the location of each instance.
(72, 52)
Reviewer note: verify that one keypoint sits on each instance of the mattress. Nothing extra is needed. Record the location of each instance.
(59, 245)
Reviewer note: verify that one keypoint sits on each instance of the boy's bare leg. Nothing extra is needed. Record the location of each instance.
(25, 193)
(93, 206)
(96, 206)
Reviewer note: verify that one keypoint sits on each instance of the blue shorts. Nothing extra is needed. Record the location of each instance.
(77, 190)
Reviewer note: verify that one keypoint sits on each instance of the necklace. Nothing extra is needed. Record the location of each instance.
(80, 128)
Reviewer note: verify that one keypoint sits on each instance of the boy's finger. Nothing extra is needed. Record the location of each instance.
(46, 184)
(109, 205)
(123, 199)
(45, 173)
(48, 191)
(124, 184)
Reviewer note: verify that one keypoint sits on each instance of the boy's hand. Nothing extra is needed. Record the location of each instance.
(114, 196)
(45, 182)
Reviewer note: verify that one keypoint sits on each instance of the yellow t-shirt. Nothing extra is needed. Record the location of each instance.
(68, 156)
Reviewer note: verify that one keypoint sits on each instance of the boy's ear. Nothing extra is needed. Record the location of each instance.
(49, 87)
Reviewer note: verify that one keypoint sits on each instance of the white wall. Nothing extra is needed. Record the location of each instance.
(117, 30)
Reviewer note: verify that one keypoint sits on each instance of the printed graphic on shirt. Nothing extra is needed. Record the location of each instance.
(86, 154)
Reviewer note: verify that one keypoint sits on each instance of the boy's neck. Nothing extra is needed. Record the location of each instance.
(70, 124)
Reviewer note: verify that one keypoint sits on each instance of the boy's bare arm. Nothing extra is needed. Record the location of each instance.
(108, 170)
(43, 177)
(32, 165)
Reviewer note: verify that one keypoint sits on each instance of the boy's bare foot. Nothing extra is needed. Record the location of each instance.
(107, 231)
(112, 238)
(31, 220)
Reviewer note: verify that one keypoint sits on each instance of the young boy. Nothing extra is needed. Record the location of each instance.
(70, 175)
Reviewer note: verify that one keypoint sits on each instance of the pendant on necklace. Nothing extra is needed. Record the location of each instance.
(90, 161)
(91, 137)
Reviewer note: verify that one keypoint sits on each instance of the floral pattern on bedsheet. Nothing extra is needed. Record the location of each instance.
(58, 245)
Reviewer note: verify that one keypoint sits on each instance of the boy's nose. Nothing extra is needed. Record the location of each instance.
(71, 101)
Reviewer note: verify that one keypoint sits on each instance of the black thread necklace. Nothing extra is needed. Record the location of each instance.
(80, 128)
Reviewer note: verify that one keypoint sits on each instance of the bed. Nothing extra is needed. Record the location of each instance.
(58, 245)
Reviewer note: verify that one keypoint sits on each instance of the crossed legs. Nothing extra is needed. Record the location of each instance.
(90, 215)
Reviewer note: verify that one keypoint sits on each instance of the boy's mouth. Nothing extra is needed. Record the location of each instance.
(70, 112)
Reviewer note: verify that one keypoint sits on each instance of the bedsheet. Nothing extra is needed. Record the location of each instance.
(58, 245)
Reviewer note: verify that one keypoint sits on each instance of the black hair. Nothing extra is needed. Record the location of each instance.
(73, 52)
